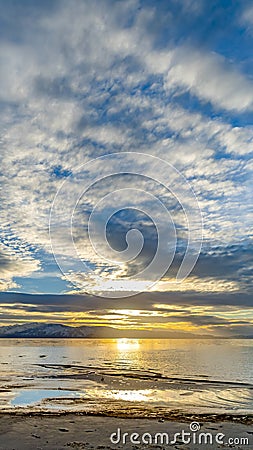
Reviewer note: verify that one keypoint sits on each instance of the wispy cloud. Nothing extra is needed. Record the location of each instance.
(84, 79)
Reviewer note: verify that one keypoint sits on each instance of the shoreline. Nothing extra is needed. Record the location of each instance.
(170, 416)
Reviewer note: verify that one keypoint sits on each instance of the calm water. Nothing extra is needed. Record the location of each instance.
(86, 374)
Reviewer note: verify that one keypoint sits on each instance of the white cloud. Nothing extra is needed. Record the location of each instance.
(78, 90)
(211, 78)
(247, 16)
(15, 264)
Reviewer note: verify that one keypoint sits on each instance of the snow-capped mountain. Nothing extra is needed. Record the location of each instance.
(48, 330)
(42, 330)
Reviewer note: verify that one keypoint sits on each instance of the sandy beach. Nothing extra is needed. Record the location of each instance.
(126, 256)
(76, 398)
(80, 431)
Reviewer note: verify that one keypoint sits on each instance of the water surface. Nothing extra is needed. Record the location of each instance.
(90, 374)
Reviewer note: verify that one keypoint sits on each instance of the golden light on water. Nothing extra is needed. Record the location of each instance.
(132, 395)
(128, 345)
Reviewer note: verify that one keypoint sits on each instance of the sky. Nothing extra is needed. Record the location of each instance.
(126, 164)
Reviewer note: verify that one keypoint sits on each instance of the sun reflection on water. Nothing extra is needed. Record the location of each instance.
(131, 395)
(128, 345)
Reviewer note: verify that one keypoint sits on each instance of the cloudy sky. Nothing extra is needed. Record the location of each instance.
(127, 117)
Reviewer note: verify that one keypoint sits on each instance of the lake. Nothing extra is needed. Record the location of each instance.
(133, 375)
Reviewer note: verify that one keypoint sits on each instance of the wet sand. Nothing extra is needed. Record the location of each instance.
(94, 389)
(49, 400)
(77, 431)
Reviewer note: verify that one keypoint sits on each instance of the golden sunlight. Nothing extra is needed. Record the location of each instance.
(128, 345)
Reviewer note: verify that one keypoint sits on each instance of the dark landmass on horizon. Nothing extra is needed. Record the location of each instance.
(77, 303)
(59, 331)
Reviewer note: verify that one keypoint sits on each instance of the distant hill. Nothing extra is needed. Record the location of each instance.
(47, 330)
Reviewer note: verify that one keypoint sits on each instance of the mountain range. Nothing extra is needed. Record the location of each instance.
(48, 330)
